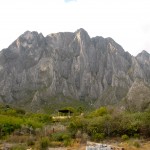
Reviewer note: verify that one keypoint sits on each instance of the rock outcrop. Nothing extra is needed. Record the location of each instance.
(37, 70)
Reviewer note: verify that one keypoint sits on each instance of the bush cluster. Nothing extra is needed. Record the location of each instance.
(64, 137)
(104, 123)
(12, 119)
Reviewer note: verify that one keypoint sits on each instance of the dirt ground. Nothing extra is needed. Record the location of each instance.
(131, 146)
(127, 145)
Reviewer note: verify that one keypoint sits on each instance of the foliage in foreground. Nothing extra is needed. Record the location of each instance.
(95, 125)
(12, 119)
(105, 123)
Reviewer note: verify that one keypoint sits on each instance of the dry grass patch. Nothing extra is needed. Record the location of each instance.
(135, 145)
(18, 139)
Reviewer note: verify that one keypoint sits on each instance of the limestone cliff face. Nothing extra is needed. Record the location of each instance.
(35, 69)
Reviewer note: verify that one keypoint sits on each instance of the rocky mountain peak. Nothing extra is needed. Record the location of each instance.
(30, 35)
(143, 54)
(82, 34)
(82, 31)
(143, 57)
(64, 66)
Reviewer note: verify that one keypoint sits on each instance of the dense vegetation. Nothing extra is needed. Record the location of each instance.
(41, 130)
(105, 122)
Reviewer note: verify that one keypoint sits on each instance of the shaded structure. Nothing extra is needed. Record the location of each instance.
(65, 112)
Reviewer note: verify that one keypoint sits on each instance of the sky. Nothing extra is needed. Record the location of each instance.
(126, 21)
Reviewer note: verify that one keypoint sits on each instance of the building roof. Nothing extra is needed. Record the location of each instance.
(65, 111)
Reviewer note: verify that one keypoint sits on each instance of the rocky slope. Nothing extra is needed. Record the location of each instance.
(67, 67)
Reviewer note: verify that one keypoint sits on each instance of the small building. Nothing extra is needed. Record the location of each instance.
(65, 112)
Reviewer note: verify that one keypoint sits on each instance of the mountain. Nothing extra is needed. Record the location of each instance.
(71, 68)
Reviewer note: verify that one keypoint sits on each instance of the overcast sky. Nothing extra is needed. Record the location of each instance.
(126, 21)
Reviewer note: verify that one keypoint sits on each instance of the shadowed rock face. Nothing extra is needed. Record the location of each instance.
(97, 70)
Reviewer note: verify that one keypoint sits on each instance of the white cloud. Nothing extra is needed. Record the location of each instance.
(125, 21)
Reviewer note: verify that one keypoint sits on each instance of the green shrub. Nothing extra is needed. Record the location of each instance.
(10, 112)
(8, 124)
(19, 147)
(57, 136)
(67, 142)
(99, 112)
(78, 124)
(44, 142)
(124, 137)
(61, 136)
(136, 135)
(98, 136)
(43, 118)
(65, 137)
(33, 123)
